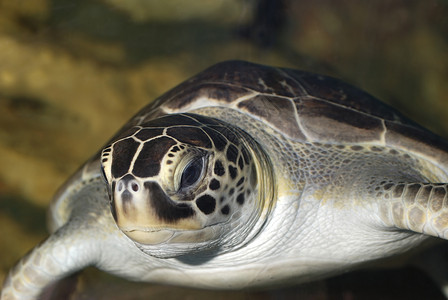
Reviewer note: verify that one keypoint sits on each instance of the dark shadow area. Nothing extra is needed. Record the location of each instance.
(141, 41)
(268, 24)
(198, 258)
(405, 283)
(29, 216)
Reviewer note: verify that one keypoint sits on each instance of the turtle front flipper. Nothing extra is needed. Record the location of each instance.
(419, 207)
(47, 263)
(72, 247)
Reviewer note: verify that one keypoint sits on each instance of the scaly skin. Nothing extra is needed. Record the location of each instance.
(296, 244)
(71, 248)
(416, 206)
(338, 207)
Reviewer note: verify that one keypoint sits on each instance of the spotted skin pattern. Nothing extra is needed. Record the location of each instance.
(152, 156)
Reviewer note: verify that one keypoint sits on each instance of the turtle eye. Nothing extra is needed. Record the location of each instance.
(192, 173)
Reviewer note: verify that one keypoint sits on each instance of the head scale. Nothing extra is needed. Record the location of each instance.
(186, 181)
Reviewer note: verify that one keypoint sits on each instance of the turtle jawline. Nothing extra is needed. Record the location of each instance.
(149, 236)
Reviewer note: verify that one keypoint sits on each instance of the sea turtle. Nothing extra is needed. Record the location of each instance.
(246, 176)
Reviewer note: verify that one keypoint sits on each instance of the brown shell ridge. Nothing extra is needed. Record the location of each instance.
(303, 91)
(418, 141)
(300, 105)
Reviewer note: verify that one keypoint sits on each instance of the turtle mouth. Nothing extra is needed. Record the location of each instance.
(148, 236)
(156, 236)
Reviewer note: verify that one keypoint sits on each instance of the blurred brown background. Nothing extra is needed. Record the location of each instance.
(72, 72)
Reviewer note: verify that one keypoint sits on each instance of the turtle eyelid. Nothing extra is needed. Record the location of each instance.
(192, 173)
(103, 175)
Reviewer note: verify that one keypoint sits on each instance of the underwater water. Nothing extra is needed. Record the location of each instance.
(73, 72)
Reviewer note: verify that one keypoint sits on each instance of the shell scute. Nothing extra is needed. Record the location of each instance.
(163, 122)
(148, 133)
(416, 139)
(250, 76)
(335, 91)
(300, 105)
(203, 90)
(277, 111)
(332, 123)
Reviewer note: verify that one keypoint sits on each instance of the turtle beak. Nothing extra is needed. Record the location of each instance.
(146, 214)
(129, 201)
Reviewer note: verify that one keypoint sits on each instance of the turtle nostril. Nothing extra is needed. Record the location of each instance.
(134, 187)
(126, 196)
(120, 186)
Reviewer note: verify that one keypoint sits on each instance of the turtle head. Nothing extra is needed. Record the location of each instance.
(185, 181)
